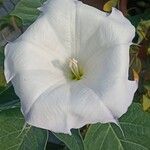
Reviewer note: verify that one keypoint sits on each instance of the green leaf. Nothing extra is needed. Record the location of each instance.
(136, 64)
(27, 10)
(147, 85)
(7, 94)
(9, 105)
(73, 142)
(143, 29)
(14, 137)
(1, 56)
(2, 78)
(111, 3)
(137, 18)
(5, 21)
(1, 2)
(146, 103)
(136, 128)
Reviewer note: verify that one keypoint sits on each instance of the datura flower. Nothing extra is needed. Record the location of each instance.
(70, 67)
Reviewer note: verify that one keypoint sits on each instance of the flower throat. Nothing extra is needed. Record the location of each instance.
(76, 71)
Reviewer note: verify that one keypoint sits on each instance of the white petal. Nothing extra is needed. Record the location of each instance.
(107, 74)
(116, 94)
(22, 55)
(77, 28)
(67, 107)
(35, 63)
(52, 34)
(51, 109)
(55, 27)
(108, 64)
(97, 31)
(29, 85)
(49, 35)
(32, 70)
(119, 96)
(88, 106)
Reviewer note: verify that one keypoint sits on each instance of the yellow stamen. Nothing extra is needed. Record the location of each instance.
(75, 70)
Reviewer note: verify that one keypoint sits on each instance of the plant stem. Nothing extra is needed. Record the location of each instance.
(123, 6)
(14, 24)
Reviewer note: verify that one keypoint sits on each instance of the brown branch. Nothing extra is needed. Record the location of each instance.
(95, 3)
(123, 6)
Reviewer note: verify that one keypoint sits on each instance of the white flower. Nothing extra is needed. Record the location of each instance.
(70, 67)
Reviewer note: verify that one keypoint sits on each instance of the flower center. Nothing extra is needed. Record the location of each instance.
(76, 72)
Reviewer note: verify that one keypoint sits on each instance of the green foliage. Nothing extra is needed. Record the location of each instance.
(138, 18)
(9, 105)
(4, 21)
(27, 10)
(136, 64)
(143, 29)
(136, 129)
(2, 78)
(147, 85)
(111, 3)
(1, 57)
(1, 2)
(73, 142)
(146, 103)
(135, 134)
(13, 136)
(7, 95)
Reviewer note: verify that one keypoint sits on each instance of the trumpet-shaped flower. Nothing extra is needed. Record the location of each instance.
(70, 67)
